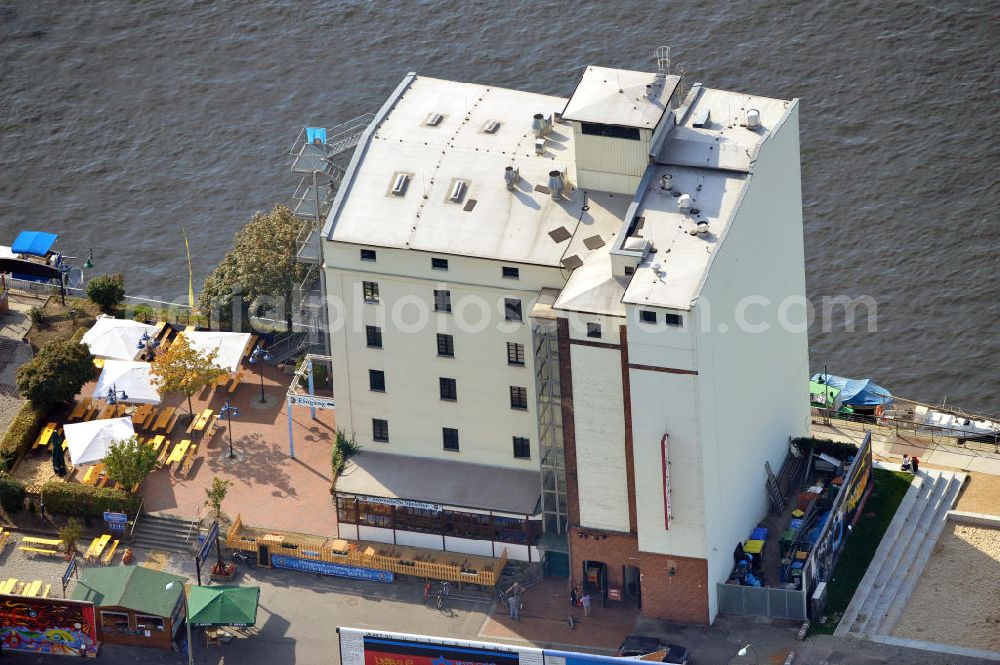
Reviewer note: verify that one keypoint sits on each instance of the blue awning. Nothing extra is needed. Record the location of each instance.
(856, 392)
(33, 243)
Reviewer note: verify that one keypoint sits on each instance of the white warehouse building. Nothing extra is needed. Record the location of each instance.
(567, 328)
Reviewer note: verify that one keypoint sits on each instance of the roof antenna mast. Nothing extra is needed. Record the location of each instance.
(662, 55)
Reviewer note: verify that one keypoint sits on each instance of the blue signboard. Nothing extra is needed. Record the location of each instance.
(70, 569)
(328, 568)
(213, 535)
(116, 521)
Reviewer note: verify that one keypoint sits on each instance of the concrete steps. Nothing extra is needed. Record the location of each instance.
(901, 555)
(162, 532)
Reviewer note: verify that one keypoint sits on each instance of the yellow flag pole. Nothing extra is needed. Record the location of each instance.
(187, 247)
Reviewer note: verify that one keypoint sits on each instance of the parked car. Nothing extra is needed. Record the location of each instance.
(636, 646)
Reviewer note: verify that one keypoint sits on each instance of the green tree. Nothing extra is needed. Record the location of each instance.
(107, 291)
(216, 494)
(263, 262)
(70, 534)
(182, 369)
(56, 374)
(129, 461)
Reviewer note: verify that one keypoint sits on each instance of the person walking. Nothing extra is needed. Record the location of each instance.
(915, 464)
(586, 604)
(574, 596)
(514, 605)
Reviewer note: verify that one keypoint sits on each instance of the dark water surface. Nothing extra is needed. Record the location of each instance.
(121, 122)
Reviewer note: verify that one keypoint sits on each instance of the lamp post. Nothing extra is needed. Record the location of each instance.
(115, 395)
(187, 621)
(259, 357)
(148, 345)
(749, 649)
(228, 411)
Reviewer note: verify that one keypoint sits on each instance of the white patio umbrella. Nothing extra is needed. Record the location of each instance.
(230, 346)
(116, 338)
(130, 377)
(89, 442)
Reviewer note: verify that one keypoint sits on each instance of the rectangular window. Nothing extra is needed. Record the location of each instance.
(510, 272)
(450, 437)
(368, 255)
(594, 330)
(647, 316)
(449, 389)
(370, 291)
(442, 301)
(515, 354)
(522, 447)
(374, 336)
(376, 380)
(446, 345)
(611, 131)
(380, 429)
(629, 270)
(518, 398)
(439, 264)
(673, 319)
(143, 622)
(512, 309)
(112, 621)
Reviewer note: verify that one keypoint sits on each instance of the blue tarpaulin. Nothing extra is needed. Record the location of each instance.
(33, 243)
(856, 392)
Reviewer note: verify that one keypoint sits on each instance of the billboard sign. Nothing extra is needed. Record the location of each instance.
(116, 521)
(330, 568)
(366, 647)
(48, 626)
(206, 547)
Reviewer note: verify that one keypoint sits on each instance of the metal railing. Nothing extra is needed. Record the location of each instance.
(900, 426)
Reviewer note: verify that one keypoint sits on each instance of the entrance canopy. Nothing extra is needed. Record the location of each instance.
(116, 338)
(129, 376)
(34, 243)
(223, 605)
(89, 442)
(229, 345)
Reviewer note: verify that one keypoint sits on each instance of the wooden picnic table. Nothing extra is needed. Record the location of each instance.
(156, 441)
(82, 407)
(8, 585)
(45, 435)
(201, 422)
(164, 419)
(96, 548)
(53, 542)
(32, 589)
(141, 414)
(93, 474)
(177, 454)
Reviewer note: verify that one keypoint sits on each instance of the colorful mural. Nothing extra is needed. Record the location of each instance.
(48, 625)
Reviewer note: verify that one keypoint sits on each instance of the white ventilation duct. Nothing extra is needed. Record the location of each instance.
(753, 119)
(541, 125)
(511, 176)
(684, 202)
(539, 146)
(556, 185)
(667, 182)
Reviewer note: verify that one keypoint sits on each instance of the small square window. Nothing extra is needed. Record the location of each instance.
(515, 354)
(370, 291)
(512, 309)
(446, 345)
(380, 429)
(450, 437)
(439, 264)
(442, 301)
(373, 335)
(629, 270)
(522, 447)
(673, 319)
(518, 398)
(368, 255)
(647, 316)
(376, 380)
(449, 389)
(509, 272)
(594, 330)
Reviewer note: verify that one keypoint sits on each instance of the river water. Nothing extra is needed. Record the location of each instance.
(121, 122)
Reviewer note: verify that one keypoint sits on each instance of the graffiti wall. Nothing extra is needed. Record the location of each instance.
(48, 625)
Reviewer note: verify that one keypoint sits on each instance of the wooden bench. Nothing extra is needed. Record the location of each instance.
(32, 589)
(82, 407)
(45, 435)
(177, 454)
(110, 553)
(53, 542)
(97, 547)
(45, 592)
(189, 459)
(235, 382)
(8, 585)
(93, 475)
(40, 550)
(4, 537)
(162, 459)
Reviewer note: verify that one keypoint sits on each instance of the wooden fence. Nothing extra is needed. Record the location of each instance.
(413, 561)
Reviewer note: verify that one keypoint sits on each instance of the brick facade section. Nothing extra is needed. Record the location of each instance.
(569, 423)
(629, 454)
(681, 597)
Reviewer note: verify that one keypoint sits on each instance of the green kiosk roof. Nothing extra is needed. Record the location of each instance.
(134, 587)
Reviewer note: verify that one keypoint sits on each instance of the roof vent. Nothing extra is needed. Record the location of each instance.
(684, 202)
(457, 191)
(491, 126)
(556, 185)
(539, 146)
(400, 183)
(511, 176)
(702, 118)
(753, 119)
(667, 182)
(541, 125)
(700, 228)
(434, 119)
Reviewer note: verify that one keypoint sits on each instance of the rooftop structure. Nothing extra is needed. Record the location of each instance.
(620, 97)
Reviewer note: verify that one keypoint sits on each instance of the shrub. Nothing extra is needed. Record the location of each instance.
(343, 449)
(838, 449)
(56, 374)
(37, 317)
(70, 534)
(107, 291)
(21, 433)
(75, 499)
(11, 494)
(143, 313)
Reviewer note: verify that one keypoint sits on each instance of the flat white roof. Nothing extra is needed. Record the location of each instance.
(501, 224)
(620, 97)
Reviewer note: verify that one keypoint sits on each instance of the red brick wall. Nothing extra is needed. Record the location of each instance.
(681, 597)
(569, 423)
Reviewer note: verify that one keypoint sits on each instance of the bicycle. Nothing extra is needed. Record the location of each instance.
(242, 557)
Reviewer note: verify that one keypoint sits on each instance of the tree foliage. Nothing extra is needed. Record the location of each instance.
(107, 291)
(216, 494)
(183, 369)
(263, 262)
(56, 374)
(129, 461)
(70, 534)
